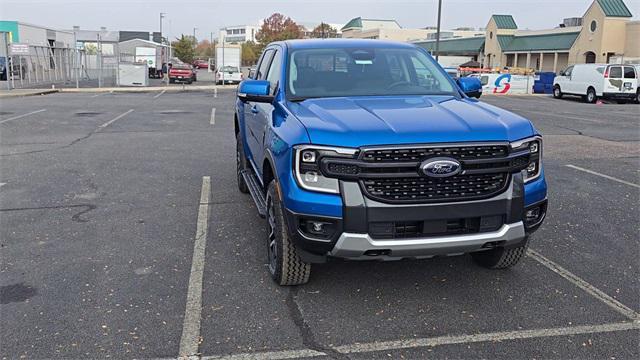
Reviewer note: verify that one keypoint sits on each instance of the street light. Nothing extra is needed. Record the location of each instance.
(438, 34)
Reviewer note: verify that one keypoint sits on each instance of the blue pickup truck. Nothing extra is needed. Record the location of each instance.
(368, 150)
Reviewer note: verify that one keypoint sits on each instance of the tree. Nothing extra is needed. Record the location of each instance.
(278, 27)
(324, 31)
(204, 49)
(184, 48)
(250, 53)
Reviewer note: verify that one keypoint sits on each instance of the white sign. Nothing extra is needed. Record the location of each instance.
(19, 49)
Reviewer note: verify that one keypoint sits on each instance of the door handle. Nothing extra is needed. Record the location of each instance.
(254, 109)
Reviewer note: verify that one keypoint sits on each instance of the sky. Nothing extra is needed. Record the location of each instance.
(210, 15)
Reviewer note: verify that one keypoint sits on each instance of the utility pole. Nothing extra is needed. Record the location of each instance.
(163, 50)
(438, 34)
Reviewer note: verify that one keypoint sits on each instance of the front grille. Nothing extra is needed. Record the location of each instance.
(420, 153)
(422, 189)
(437, 227)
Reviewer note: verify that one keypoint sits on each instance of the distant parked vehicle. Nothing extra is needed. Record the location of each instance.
(201, 64)
(594, 81)
(229, 75)
(181, 73)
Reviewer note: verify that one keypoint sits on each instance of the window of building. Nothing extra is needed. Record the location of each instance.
(593, 26)
(490, 34)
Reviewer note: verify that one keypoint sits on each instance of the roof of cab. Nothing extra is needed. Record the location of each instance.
(344, 43)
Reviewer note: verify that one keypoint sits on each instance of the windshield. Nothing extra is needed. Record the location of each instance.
(229, 69)
(316, 73)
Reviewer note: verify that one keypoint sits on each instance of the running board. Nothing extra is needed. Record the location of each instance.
(256, 191)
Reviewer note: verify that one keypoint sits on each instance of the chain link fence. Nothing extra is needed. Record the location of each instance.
(46, 66)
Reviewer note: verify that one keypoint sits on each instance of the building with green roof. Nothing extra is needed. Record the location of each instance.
(603, 34)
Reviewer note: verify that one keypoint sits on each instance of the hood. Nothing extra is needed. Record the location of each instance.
(360, 121)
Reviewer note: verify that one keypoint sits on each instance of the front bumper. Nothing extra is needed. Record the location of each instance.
(353, 237)
(363, 247)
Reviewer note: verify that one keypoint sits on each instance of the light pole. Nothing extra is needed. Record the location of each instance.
(194, 34)
(438, 34)
(163, 49)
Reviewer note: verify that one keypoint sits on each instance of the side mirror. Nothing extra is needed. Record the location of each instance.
(255, 90)
(470, 86)
(562, 73)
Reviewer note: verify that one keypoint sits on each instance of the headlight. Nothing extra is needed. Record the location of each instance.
(307, 167)
(534, 146)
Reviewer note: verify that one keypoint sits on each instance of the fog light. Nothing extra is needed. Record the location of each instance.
(318, 228)
(531, 168)
(311, 177)
(532, 215)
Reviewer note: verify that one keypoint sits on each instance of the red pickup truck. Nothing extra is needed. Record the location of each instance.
(182, 73)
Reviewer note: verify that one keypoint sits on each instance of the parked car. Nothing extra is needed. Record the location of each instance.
(181, 73)
(229, 75)
(201, 64)
(594, 81)
(349, 154)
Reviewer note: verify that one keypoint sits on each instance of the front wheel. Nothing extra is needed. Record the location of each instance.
(557, 93)
(285, 266)
(637, 101)
(499, 258)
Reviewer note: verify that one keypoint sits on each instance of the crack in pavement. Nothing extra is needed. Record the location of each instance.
(308, 340)
(76, 217)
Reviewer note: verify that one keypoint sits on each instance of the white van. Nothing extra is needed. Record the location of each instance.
(593, 81)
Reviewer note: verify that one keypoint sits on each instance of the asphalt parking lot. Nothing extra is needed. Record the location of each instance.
(123, 235)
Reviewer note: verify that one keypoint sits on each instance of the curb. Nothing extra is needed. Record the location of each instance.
(28, 92)
(147, 89)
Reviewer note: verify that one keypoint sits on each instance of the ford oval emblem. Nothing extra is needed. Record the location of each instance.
(440, 167)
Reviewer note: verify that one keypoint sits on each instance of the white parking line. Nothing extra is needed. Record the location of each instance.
(494, 336)
(577, 281)
(21, 116)
(212, 121)
(603, 175)
(435, 341)
(2, 184)
(215, 92)
(268, 355)
(115, 119)
(160, 94)
(191, 326)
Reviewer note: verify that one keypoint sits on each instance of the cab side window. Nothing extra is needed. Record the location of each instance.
(568, 71)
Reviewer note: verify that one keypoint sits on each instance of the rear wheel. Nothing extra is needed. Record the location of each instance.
(591, 96)
(499, 258)
(285, 266)
(241, 164)
(638, 97)
(557, 93)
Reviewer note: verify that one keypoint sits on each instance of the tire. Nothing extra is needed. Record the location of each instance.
(637, 100)
(241, 164)
(557, 93)
(499, 258)
(591, 96)
(285, 266)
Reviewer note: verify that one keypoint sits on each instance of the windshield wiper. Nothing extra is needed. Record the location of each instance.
(299, 98)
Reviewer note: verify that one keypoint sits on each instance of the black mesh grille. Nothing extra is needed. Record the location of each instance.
(420, 153)
(460, 187)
